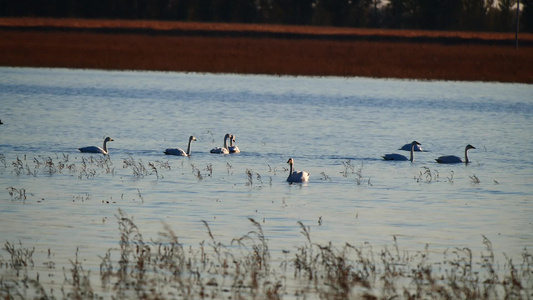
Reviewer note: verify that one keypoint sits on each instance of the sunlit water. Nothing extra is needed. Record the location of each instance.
(335, 128)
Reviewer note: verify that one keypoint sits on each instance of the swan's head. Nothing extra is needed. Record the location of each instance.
(468, 147)
(290, 161)
(415, 143)
(108, 139)
(192, 138)
(232, 137)
(227, 136)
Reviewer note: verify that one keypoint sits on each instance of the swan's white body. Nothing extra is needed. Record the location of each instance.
(223, 150)
(452, 159)
(407, 147)
(233, 148)
(180, 152)
(295, 176)
(95, 149)
(395, 156)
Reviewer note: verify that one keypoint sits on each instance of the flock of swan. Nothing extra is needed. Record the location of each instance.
(294, 176)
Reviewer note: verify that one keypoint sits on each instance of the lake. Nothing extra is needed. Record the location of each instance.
(57, 200)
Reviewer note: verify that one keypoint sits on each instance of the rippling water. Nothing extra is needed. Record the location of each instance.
(335, 128)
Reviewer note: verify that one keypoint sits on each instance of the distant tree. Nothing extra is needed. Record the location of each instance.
(506, 15)
(526, 18)
(201, 10)
(474, 12)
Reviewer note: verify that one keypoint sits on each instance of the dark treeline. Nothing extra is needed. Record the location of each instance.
(463, 15)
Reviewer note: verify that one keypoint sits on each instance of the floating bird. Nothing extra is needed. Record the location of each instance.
(407, 147)
(180, 152)
(233, 148)
(395, 156)
(295, 176)
(1, 122)
(95, 149)
(452, 159)
(223, 150)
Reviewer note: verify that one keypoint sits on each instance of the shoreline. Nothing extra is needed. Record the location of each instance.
(264, 49)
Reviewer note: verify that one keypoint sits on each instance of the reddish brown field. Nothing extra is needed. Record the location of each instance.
(262, 49)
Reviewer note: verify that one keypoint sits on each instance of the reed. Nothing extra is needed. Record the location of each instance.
(165, 268)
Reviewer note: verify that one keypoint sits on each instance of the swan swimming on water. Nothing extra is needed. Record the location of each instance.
(223, 150)
(295, 176)
(233, 148)
(180, 152)
(95, 149)
(452, 159)
(395, 156)
(407, 147)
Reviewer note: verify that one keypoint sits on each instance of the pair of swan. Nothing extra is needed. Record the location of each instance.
(224, 150)
(227, 149)
(446, 159)
(395, 156)
(95, 149)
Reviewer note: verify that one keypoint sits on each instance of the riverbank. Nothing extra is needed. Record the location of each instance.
(265, 49)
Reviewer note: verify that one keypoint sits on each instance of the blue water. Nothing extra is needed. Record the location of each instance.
(334, 128)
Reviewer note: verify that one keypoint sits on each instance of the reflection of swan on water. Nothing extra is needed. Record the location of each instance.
(452, 159)
(95, 149)
(233, 148)
(223, 150)
(180, 152)
(295, 176)
(407, 147)
(395, 156)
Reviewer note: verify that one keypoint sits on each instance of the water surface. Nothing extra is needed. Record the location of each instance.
(335, 128)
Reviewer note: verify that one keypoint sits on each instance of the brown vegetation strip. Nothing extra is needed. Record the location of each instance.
(267, 55)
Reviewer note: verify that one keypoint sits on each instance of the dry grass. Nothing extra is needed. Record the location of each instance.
(164, 268)
(221, 48)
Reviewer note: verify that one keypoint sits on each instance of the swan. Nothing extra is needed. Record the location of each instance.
(407, 147)
(295, 176)
(395, 156)
(452, 159)
(95, 149)
(232, 148)
(1, 122)
(223, 150)
(180, 152)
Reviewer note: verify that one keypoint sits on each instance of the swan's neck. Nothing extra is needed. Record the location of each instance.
(290, 168)
(466, 156)
(226, 142)
(412, 157)
(105, 146)
(189, 147)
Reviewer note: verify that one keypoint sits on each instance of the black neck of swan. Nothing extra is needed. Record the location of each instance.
(189, 147)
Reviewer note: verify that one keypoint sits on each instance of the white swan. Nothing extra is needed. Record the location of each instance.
(452, 159)
(233, 148)
(295, 176)
(95, 149)
(223, 150)
(395, 156)
(180, 152)
(407, 147)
